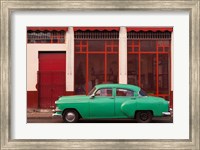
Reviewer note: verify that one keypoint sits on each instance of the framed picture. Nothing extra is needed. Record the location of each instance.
(183, 16)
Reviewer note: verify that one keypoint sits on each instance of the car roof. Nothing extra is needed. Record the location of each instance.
(125, 86)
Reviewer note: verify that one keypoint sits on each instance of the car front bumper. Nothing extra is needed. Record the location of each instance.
(168, 113)
(56, 113)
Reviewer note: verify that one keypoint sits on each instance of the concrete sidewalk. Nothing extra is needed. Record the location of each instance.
(39, 113)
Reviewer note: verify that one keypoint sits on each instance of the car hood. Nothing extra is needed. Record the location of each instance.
(72, 98)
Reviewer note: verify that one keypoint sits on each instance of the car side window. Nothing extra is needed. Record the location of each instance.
(104, 92)
(124, 92)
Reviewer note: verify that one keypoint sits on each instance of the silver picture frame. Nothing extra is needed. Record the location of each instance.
(8, 7)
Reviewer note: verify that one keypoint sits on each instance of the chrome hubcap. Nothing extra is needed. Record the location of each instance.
(70, 116)
(144, 116)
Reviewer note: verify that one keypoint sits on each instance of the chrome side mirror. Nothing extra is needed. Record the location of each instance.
(92, 96)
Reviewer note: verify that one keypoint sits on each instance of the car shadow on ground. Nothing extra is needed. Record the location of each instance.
(154, 120)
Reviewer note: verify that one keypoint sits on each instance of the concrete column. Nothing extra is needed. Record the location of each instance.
(70, 59)
(32, 67)
(123, 55)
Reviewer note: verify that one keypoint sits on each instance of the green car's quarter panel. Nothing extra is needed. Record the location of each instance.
(154, 104)
(112, 106)
(119, 101)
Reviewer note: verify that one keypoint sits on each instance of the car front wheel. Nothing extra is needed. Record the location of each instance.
(70, 116)
(143, 116)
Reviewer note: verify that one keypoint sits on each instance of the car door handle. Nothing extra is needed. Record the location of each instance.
(111, 97)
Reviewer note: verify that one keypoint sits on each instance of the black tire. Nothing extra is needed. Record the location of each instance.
(144, 116)
(70, 116)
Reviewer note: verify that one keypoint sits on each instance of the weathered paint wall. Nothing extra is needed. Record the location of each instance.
(32, 99)
(32, 61)
(68, 46)
(32, 69)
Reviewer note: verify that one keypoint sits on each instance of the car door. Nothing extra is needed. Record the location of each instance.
(121, 96)
(102, 104)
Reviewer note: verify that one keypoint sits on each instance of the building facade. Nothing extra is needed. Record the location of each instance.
(71, 60)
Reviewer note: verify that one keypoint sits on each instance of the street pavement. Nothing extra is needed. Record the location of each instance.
(46, 117)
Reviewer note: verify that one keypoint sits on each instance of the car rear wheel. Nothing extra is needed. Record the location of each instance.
(70, 116)
(143, 116)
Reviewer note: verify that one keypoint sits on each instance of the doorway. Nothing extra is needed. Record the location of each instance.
(51, 78)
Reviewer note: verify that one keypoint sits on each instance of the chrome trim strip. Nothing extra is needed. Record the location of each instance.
(56, 115)
(166, 113)
(56, 110)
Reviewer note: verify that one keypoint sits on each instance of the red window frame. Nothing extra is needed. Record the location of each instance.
(131, 50)
(112, 44)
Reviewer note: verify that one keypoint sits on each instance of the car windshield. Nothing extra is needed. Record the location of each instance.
(92, 91)
(142, 93)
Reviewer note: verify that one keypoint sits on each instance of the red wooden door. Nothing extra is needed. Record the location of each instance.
(51, 78)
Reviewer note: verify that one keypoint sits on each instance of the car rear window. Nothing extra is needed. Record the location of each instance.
(142, 93)
(124, 92)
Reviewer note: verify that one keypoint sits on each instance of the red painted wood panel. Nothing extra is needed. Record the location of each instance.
(52, 61)
(52, 78)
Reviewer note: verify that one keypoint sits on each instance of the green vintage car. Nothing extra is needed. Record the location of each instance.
(111, 101)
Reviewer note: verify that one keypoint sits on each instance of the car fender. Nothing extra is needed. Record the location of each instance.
(80, 105)
(154, 104)
(129, 107)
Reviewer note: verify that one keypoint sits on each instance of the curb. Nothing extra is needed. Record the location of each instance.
(39, 110)
(39, 115)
